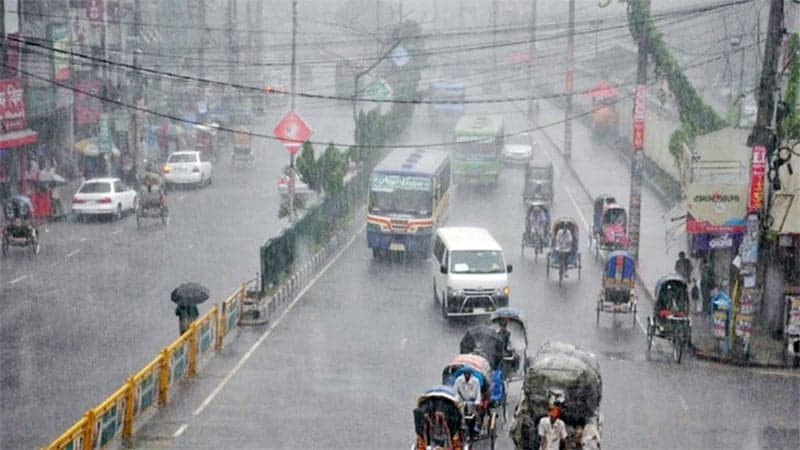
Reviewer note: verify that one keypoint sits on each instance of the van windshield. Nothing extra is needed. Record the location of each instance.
(477, 261)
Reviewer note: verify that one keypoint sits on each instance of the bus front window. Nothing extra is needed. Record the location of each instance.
(416, 203)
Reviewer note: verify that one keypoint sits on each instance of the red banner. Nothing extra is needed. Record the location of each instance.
(638, 117)
(94, 10)
(12, 104)
(757, 171)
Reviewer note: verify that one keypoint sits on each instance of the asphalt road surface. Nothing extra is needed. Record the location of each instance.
(343, 367)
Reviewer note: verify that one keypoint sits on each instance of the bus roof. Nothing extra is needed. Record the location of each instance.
(468, 238)
(479, 126)
(407, 161)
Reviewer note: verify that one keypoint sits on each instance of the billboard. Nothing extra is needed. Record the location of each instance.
(12, 104)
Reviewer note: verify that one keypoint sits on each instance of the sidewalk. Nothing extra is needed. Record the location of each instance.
(600, 169)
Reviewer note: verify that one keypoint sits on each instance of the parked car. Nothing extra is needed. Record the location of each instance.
(103, 196)
(518, 149)
(187, 167)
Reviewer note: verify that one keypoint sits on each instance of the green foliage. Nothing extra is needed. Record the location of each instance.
(306, 164)
(789, 128)
(696, 117)
(332, 170)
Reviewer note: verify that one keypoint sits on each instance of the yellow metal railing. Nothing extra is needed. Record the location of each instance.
(116, 417)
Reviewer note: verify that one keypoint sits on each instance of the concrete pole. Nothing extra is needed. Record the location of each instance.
(570, 79)
(635, 206)
(531, 52)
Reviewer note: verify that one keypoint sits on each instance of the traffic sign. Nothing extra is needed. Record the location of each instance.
(379, 89)
(292, 130)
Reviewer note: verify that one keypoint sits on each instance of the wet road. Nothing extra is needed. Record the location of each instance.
(93, 307)
(342, 369)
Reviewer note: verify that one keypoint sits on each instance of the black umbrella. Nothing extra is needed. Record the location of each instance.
(190, 294)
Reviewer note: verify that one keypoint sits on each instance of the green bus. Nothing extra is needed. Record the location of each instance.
(478, 157)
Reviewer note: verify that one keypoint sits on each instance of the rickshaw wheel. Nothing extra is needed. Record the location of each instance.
(597, 308)
(677, 346)
(34, 243)
(547, 267)
(5, 245)
(138, 217)
(164, 216)
(650, 333)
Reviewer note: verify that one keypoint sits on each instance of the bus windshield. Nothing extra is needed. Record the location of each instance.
(401, 194)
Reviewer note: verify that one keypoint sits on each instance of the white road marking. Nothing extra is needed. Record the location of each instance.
(117, 232)
(73, 253)
(83, 239)
(683, 403)
(266, 334)
(403, 343)
(778, 373)
(180, 430)
(18, 279)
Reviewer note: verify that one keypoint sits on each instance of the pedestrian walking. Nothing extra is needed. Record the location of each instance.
(186, 315)
(683, 267)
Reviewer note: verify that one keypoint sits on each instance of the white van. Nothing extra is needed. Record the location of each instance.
(470, 276)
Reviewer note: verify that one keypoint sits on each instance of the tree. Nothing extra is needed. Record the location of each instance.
(307, 165)
(331, 170)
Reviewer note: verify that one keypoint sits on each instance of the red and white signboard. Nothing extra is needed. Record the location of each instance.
(292, 130)
(638, 117)
(12, 104)
(757, 171)
(94, 10)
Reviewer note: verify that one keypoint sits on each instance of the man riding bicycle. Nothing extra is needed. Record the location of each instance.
(468, 389)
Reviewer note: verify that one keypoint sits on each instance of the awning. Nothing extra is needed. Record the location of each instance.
(17, 138)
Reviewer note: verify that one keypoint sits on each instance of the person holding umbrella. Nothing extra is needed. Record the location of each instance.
(187, 296)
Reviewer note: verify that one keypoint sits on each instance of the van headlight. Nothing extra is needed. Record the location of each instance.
(505, 292)
(454, 292)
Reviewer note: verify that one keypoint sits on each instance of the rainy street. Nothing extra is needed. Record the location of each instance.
(343, 368)
(343, 364)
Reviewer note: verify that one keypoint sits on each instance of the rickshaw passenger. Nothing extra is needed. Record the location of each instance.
(505, 336)
(537, 218)
(668, 302)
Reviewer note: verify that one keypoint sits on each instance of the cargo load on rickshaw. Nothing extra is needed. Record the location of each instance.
(562, 375)
(538, 183)
(609, 226)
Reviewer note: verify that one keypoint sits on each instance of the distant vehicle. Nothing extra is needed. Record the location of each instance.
(479, 149)
(518, 149)
(301, 188)
(408, 200)
(187, 167)
(470, 275)
(103, 196)
(444, 116)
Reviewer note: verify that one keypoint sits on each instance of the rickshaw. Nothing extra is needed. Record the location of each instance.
(538, 183)
(439, 420)
(485, 341)
(573, 260)
(152, 200)
(618, 295)
(242, 151)
(609, 226)
(515, 351)
(481, 369)
(536, 232)
(19, 230)
(205, 141)
(670, 319)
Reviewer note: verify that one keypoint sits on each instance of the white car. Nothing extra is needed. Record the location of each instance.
(103, 196)
(187, 167)
(518, 149)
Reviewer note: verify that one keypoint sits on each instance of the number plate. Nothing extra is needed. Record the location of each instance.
(479, 310)
(397, 247)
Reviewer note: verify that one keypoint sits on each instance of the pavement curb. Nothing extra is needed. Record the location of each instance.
(696, 352)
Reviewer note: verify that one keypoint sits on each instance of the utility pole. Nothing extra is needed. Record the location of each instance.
(768, 86)
(570, 78)
(494, 35)
(294, 53)
(635, 197)
(531, 52)
(201, 52)
(231, 62)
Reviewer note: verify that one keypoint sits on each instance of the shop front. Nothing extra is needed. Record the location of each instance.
(16, 141)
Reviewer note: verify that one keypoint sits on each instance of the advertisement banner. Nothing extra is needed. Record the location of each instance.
(757, 171)
(793, 323)
(638, 117)
(59, 34)
(744, 326)
(12, 104)
(87, 108)
(104, 133)
(716, 209)
(718, 241)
